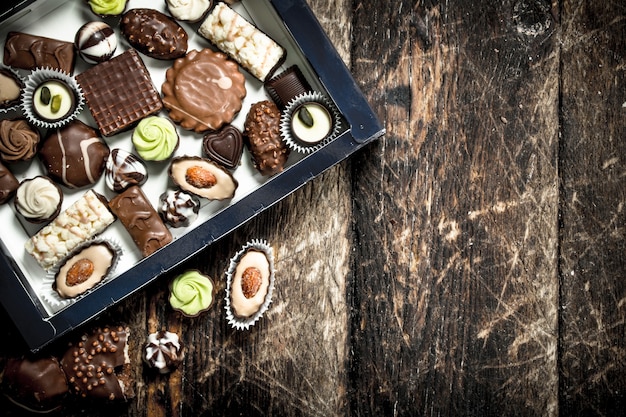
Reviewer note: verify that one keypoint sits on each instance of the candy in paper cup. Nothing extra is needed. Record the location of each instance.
(249, 284)
(51, 98)
(51, 292)
(12, 86)
(309, 122)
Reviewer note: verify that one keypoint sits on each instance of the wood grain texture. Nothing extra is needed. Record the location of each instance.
(470, 263)
(593, 305)
(455, 284)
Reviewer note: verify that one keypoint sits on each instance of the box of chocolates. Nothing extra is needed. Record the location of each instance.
(136, 133)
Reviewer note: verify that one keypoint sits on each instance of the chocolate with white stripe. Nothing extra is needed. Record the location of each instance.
(74, 155)
(95, 42)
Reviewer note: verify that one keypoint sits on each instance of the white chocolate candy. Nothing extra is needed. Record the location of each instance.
(188, 10)
(84, 219)
(314, 130)
(242, 41)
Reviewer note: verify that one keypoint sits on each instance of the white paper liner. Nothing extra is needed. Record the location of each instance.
(22, 80)
(244, 323)
(35, 79)
(52, 297)
(285, 122)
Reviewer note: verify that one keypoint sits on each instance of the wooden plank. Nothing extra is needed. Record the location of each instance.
(455, 286)
(592, 165)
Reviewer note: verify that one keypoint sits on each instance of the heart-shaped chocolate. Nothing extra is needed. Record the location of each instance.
(124, 169)
(224, 146)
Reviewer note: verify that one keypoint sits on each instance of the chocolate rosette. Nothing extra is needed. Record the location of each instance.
(310, 121)
(249, 284)
(192, 293)
(54, 108)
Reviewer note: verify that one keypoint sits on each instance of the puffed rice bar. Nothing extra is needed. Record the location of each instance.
(242, 41)
(84, 219)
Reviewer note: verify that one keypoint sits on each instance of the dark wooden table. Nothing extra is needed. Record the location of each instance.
(470, 263)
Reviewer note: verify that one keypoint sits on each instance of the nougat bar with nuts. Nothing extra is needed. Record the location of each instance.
(86, 218)
(242, 41)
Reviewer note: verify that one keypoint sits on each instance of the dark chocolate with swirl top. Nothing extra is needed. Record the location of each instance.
(97, 366)
(141, 220)
(25, 51)
(18, 140)
(154, 33)
(262, 133)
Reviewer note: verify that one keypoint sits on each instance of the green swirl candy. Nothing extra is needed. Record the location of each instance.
(107, 7)
(191, 293)
(155, 138)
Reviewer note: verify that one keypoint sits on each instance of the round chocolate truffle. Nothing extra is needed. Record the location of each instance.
(74, 155)
(95, 42)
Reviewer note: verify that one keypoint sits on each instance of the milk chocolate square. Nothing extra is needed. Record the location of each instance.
(119, 93)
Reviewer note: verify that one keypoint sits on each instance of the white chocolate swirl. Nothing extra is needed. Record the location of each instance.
(38, 198)
(189, 10)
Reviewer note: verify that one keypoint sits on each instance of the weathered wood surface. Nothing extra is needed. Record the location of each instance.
(471, 262)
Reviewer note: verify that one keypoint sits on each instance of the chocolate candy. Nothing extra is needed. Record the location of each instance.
(286, 86)
(154, 33)
(107, 8)
(124, 169)
(84, 219)
(119, 93)
(8, 184)
(141, 220)
(95, 42)
(163, 351)
(178, 208)
(36, 384)
(203, 90)
(242, 41)
(311, 123)
(250, 283)
(18, 140)
(262, 133)
(10, 88)
(25, 51)
(38, 199)
(224, 147)
(98, 367)
(53, 100)
(74, 155)
(189, 10)
(203, 178)
(84, 268)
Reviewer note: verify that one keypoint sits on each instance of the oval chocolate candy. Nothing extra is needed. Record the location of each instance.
(154, 33)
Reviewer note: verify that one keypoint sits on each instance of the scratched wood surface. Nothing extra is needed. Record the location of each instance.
(469, 263)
